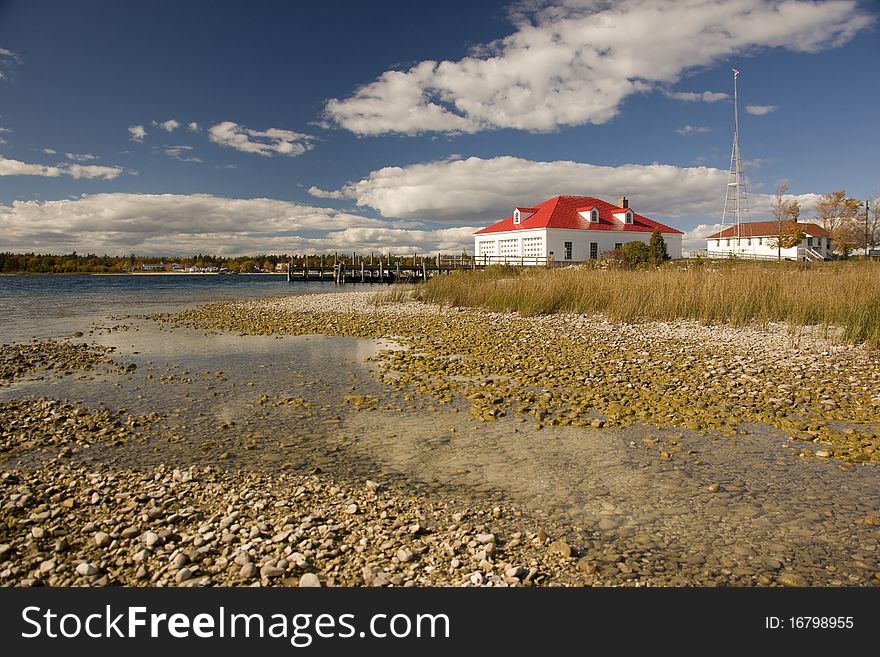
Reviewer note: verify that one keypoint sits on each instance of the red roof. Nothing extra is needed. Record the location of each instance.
(562, 212)
(767, 229)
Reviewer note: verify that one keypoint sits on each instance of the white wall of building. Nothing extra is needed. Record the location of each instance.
(551, 242)
(761, 247)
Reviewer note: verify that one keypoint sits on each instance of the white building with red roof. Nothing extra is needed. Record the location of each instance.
(568, 229)
(754, 240)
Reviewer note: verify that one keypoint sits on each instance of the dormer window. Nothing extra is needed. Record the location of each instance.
(594, 216)
(629, 217)
(522, 214)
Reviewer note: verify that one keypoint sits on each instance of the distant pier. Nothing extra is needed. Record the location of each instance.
(354, 268)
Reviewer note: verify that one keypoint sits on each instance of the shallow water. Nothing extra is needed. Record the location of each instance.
(54, 306)
(610, 489)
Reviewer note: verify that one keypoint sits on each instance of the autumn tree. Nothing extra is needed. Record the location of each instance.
(785, 214)
(873, 222)
(838, 215)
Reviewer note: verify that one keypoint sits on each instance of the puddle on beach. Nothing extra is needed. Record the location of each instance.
(273, 403)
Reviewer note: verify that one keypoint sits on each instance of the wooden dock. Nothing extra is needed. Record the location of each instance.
(365, 269)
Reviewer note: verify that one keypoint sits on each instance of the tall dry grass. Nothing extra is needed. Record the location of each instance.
(842, 294)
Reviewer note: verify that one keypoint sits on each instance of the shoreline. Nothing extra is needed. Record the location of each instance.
(554, 435)
(146, 273)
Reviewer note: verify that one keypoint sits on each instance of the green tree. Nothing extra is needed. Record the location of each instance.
(657, 254)
(635, 254)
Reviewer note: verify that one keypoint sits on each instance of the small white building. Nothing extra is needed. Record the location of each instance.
(755, 240)
(567, 229)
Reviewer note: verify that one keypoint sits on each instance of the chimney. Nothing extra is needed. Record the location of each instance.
(623, 202)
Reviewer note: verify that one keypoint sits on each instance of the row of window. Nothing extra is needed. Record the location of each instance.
(819, 241)
(508, 247)
(532, 247)
(594, 250)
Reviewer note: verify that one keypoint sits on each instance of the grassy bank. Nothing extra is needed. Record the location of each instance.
(844, 294)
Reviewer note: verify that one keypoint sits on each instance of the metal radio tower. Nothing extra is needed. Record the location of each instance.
(736, 204)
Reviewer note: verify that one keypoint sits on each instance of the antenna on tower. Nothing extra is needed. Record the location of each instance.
(736, 203)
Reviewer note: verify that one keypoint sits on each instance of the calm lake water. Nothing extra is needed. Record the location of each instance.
(55, 306)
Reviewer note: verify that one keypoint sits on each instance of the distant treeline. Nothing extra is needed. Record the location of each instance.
(74, 263)
(35, 263)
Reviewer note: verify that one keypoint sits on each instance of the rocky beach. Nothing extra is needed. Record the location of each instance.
(367, 439)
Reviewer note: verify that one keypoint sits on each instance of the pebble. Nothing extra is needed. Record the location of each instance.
(584, 564)
(87, 569)
(560, 549)
(607, 524)
(269, 570)
(792, 579)
(309, 580)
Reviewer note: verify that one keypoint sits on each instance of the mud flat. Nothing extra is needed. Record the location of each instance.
(405, 444)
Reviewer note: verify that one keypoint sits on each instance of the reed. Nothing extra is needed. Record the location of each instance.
(394, 294)
(833, 294)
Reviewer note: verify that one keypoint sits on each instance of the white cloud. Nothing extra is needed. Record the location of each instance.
(79, 157)
(92, 171)
(137, 132)
(192, 126)
(2, 130)
(17, 168)
(266, 142)
(181, 153)
(50, 151)
(477, 191)
(8, 60)
(693, 96)
(692, 130)
(317, 192)
(760, 110)
(182, 224)
(695, 239)
(575, 63)
(168, 126)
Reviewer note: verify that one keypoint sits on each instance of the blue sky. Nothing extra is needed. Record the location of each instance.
(179, 127)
